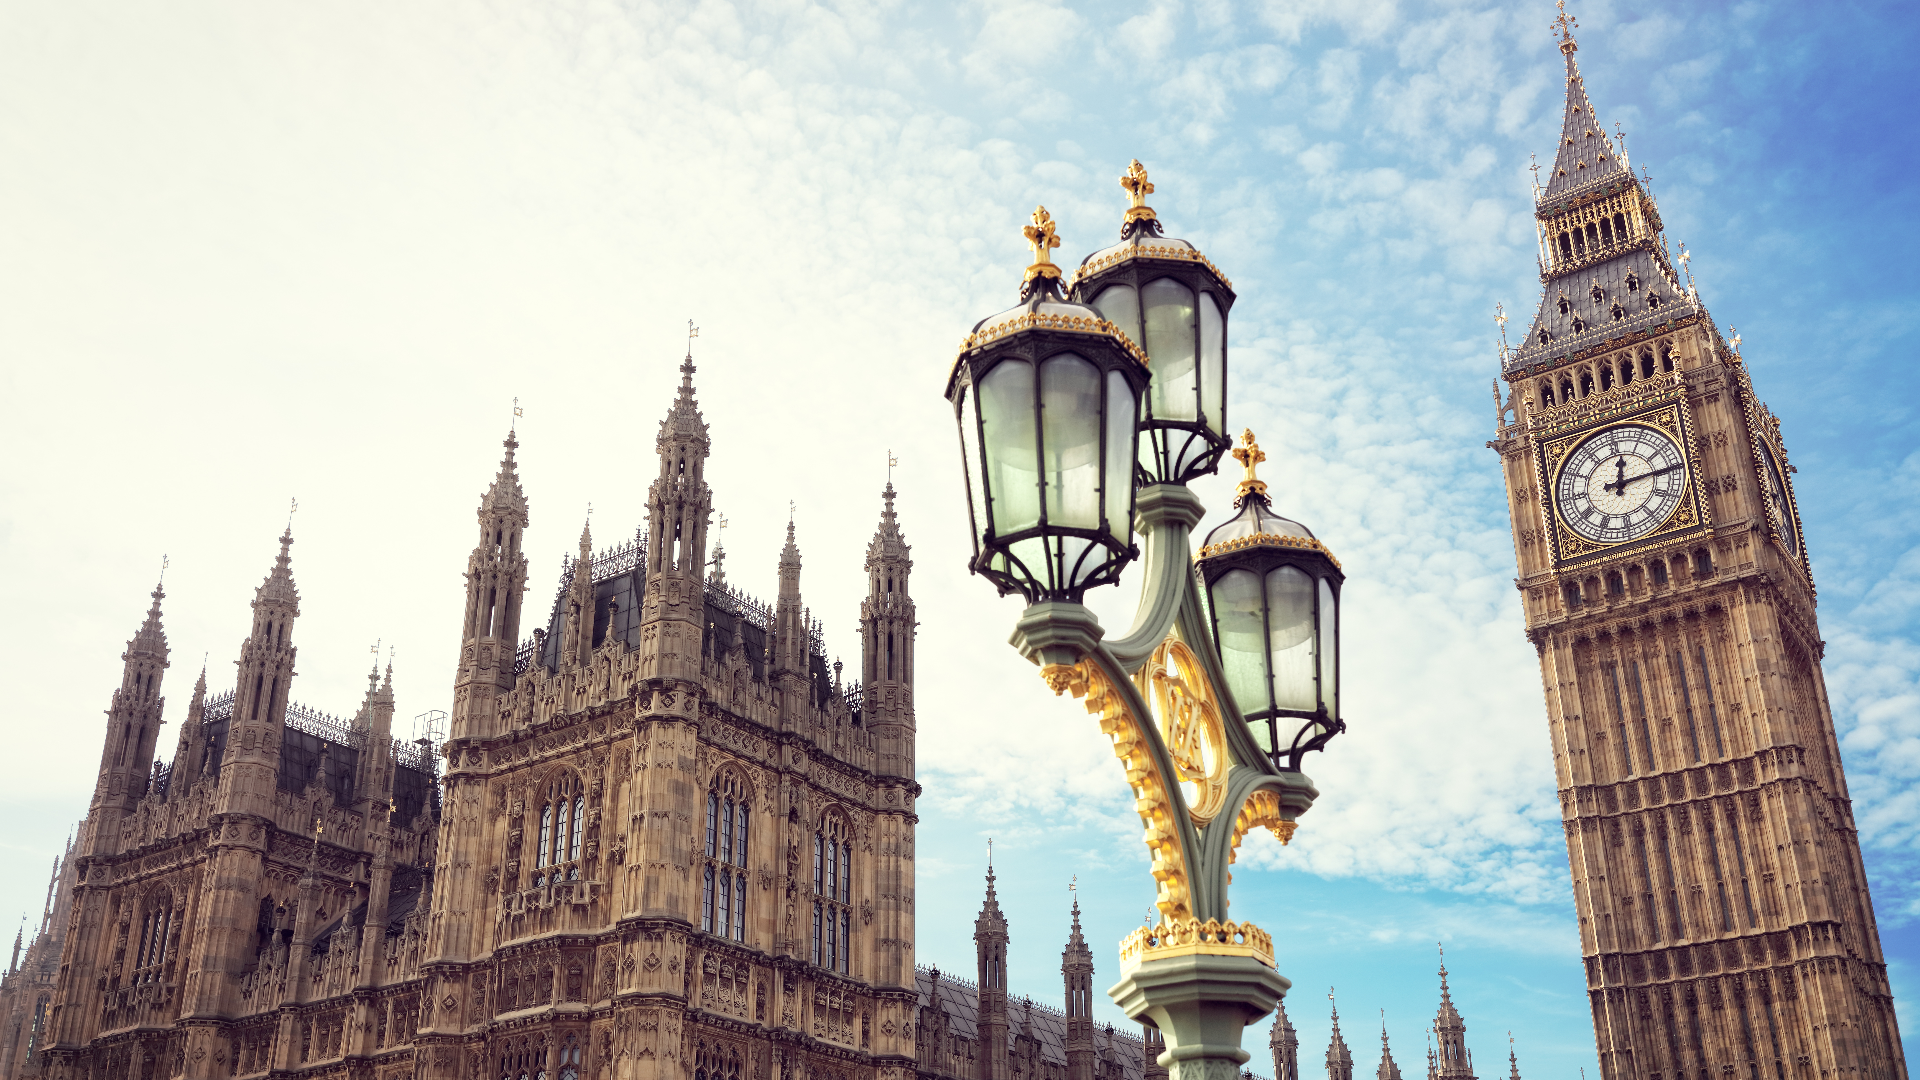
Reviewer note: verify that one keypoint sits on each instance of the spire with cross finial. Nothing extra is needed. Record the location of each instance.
(1283, 1044)
(1339, 1058)
(496, 586)
(888, 633)
(1076, 970)
(990, 943)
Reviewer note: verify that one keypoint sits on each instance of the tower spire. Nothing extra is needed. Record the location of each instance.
(1586, 154)
(1389, 1069)
(1339, 1058)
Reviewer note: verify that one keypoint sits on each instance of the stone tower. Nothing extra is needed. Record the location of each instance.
(1076, 970)
(1339, 1058)
(1451, 1059)
(1284, 1043)
(990, 953)
(1723, 906)
(496, 585)
(886, 637)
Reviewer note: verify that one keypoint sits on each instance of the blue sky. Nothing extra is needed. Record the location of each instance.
(254, 251)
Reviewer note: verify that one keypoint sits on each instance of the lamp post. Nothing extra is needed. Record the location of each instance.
(1073, 437)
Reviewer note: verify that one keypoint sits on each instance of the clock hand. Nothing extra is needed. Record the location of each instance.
(1621, 489)
(1618, 484)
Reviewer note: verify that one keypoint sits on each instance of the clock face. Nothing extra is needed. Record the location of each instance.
(1782, 513)
(1621, 484)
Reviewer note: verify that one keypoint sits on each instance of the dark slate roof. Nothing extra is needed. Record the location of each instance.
(1046, 1025)
(1586, 155)
(1611, 277)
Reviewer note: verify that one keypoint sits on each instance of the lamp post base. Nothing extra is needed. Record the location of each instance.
(1202, 1003)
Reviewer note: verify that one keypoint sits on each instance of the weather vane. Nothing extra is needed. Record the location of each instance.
(792, 508)
(1564, 26)
(517, 414)
(692, 332)
(891, 462)
(164, 562)
(293, 505)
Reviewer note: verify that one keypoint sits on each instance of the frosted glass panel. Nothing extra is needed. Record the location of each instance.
(1329, 675)
(1119, 478)
(1290, 638)
(1121, 307)
(1169, 319)
(1236, 611)
(1213, 364)
(1013, 464)
(970, 459)
(1070, 413)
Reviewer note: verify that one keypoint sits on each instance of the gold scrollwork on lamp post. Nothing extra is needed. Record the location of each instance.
(1152, 798)
(1260, 811)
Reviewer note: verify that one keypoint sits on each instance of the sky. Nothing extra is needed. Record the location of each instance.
(257, 252)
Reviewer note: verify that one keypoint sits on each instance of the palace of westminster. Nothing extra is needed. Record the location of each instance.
(664, 839)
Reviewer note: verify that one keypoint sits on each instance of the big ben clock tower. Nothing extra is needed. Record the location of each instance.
(1724, 915)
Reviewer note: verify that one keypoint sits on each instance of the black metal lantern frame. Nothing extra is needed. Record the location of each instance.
(1166, 296)
(1027, 536)
(1284, 727)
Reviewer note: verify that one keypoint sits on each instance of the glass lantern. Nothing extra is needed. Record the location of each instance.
(1047, 395)
(1274, 593)
(1165, 296)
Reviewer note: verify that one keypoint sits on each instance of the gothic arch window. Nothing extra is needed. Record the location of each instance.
(1633, 281)
(1659, 571)
(833, 895)
(1646, 365)
(1566, 391)
(1653, 300)
(1666, 351)
(1544, 336)
(556, 855)
(570, 1058)
(1566, 305)
(1579, 325)
(1618, 312)
(1595, 292)
(1626, 370)
(1606, 377)
(1586, 384)
(723, 881)
(1546, 395)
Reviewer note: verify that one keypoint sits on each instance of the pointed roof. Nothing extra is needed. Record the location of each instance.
(790, 554)
(504, 495)
(1586, 155)
(888, 543)
(1076, 953)
(1389, 1069)
(1513, 1063)
(1337, 1052)
(991, 920)
(684, 423)
(151, 638)
(1282, 1031)
(279, 587)
(1448, 1016)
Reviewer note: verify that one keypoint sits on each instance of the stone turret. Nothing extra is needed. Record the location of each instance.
(1076, 969)
(990, 942)
(1452, 1059)
(133, 728)
(1284, 1044)
(1339, 1058)
(1389, 1069)
(496, 586)
(887, 629)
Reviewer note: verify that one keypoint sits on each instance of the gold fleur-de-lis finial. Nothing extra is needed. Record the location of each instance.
(1249, 454)
(1563, 28)
(1042, 239)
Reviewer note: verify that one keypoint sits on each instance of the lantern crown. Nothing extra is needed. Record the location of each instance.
(1249, 455)
(1139, 217)
(1042, 237)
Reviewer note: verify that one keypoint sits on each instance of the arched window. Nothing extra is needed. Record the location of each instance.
(570, 1059)
(723, 906)
(562, 828)
(833, 896)
(1659, 571)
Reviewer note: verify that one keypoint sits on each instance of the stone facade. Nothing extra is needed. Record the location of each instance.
(1723, 907)
(663, 838)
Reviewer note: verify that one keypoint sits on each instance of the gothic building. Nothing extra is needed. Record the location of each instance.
(663, 838)
(1447, 1055)
(1723, 908)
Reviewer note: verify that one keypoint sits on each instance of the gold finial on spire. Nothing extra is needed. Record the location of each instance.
(1042, 238)
(1248, 453)
(1138, 188)
(1563, 28)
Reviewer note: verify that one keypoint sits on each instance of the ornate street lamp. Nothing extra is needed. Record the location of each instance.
(1168, 297)
(1274, 592)
(1046, 394)
(1211, 749)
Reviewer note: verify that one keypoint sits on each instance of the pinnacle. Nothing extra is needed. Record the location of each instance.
(505, 494)
(151, 637)
(279, 584)
(1585, 153)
